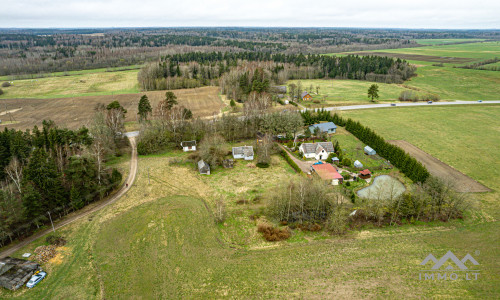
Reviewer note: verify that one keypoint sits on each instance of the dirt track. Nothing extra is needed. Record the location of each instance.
(439, 169)
(77, 111)
(84, 212)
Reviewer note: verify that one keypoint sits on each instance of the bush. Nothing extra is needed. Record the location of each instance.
(290, 161)
(272, 234)
(346, 162)
(56, 240)
(1, 92)
(6, 84)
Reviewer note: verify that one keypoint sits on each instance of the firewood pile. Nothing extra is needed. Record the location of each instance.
(45, 253)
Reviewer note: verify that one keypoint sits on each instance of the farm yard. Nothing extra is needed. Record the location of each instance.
(77, 111)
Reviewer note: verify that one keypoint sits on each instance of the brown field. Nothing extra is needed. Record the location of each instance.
(430, 58)
(463, 183)
(77, 111)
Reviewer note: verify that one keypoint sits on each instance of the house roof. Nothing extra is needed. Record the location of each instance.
(304, 94)
(188, 143)
(365, 172)
(317, 147)
(335, 158)
(368, 148)
(327, 172)
(14, 272)
(358, 164)
(322, 126)
(245, 150)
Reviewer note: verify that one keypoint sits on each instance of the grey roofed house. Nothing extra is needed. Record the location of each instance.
(328, 127)
(317, 147)
(203, 167)
(303, 94)
(15, 272)
(245, 152)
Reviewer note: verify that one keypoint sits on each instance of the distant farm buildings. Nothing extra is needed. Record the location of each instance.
(328, 127)
(188, 146)
(370, 151)
(245, 152)
(319, 151)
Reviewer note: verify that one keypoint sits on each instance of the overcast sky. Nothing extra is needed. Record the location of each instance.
(284, 13)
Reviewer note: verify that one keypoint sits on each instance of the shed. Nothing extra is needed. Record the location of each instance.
(358, 164)
(305, 96)
(203, 167)
(245, 152)
(370, 151)
(328, 172)
(328, 127)
(365, 174)
(335, 160)
(15, 272)
(188, 146)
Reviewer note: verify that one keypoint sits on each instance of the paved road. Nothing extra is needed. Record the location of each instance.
(83, 213)
(352, 107)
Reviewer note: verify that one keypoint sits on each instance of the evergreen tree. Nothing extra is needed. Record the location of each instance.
(373, 92)
(144, 108)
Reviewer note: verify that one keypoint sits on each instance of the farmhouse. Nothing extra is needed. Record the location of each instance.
(245, 152)
(365, 174)
(319, 151)
(305, 96)
(14, 272)
(328, 127)
(370, 151)
(328, 172)
(188, 146)
(203, 167)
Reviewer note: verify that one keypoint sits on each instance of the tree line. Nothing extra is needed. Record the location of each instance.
(412, 168)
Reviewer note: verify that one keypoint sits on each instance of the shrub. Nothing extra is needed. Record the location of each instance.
(290, 161)
(56, 240)
(6, 84)
(272, 234)
(262, 165)
(1, 92)
(346, 162)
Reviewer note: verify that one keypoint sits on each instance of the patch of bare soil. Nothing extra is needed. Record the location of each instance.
(77, 111)
(439, 169)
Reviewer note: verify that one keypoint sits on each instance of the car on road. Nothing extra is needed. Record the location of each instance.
(35, 279)
(429, 102)
(479, 101)
(393, 104)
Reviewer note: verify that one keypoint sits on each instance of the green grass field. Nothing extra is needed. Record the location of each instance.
(87, 83)
(160, 241)
(431, 42)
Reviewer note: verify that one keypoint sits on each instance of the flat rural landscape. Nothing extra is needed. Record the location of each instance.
(201, 156)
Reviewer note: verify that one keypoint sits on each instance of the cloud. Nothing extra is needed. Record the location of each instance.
(291, 13)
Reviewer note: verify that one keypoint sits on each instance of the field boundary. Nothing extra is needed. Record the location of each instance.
(442, 170)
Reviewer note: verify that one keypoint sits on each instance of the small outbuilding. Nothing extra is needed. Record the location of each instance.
(328, 127)
(358, 164)
(305, 96)
(188, 146)
(365, 174)
(203, 167)
(370, 151)
(245, 152)
(15, 272)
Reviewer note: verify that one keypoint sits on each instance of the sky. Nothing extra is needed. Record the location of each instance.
(439, 14)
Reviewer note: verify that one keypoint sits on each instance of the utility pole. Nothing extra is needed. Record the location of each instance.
(53, 229)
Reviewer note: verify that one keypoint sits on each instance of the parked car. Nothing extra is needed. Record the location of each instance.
(479, 101)
(429, 102)
(35, 279)
(393, 104)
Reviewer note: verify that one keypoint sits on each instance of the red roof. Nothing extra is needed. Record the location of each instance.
(327, 172)
(365, 172)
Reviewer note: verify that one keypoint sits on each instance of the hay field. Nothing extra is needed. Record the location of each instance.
(75, 112)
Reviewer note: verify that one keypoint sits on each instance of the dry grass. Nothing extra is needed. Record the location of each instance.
(77, 111)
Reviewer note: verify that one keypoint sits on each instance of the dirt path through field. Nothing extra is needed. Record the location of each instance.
(439, 169)
(84, 212)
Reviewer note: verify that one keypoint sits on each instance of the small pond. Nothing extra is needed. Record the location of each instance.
(382, 187)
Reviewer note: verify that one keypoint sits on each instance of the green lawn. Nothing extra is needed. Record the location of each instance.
(80, 84)
(431, 42)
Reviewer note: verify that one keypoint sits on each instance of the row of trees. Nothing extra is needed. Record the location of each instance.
(397, 156)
